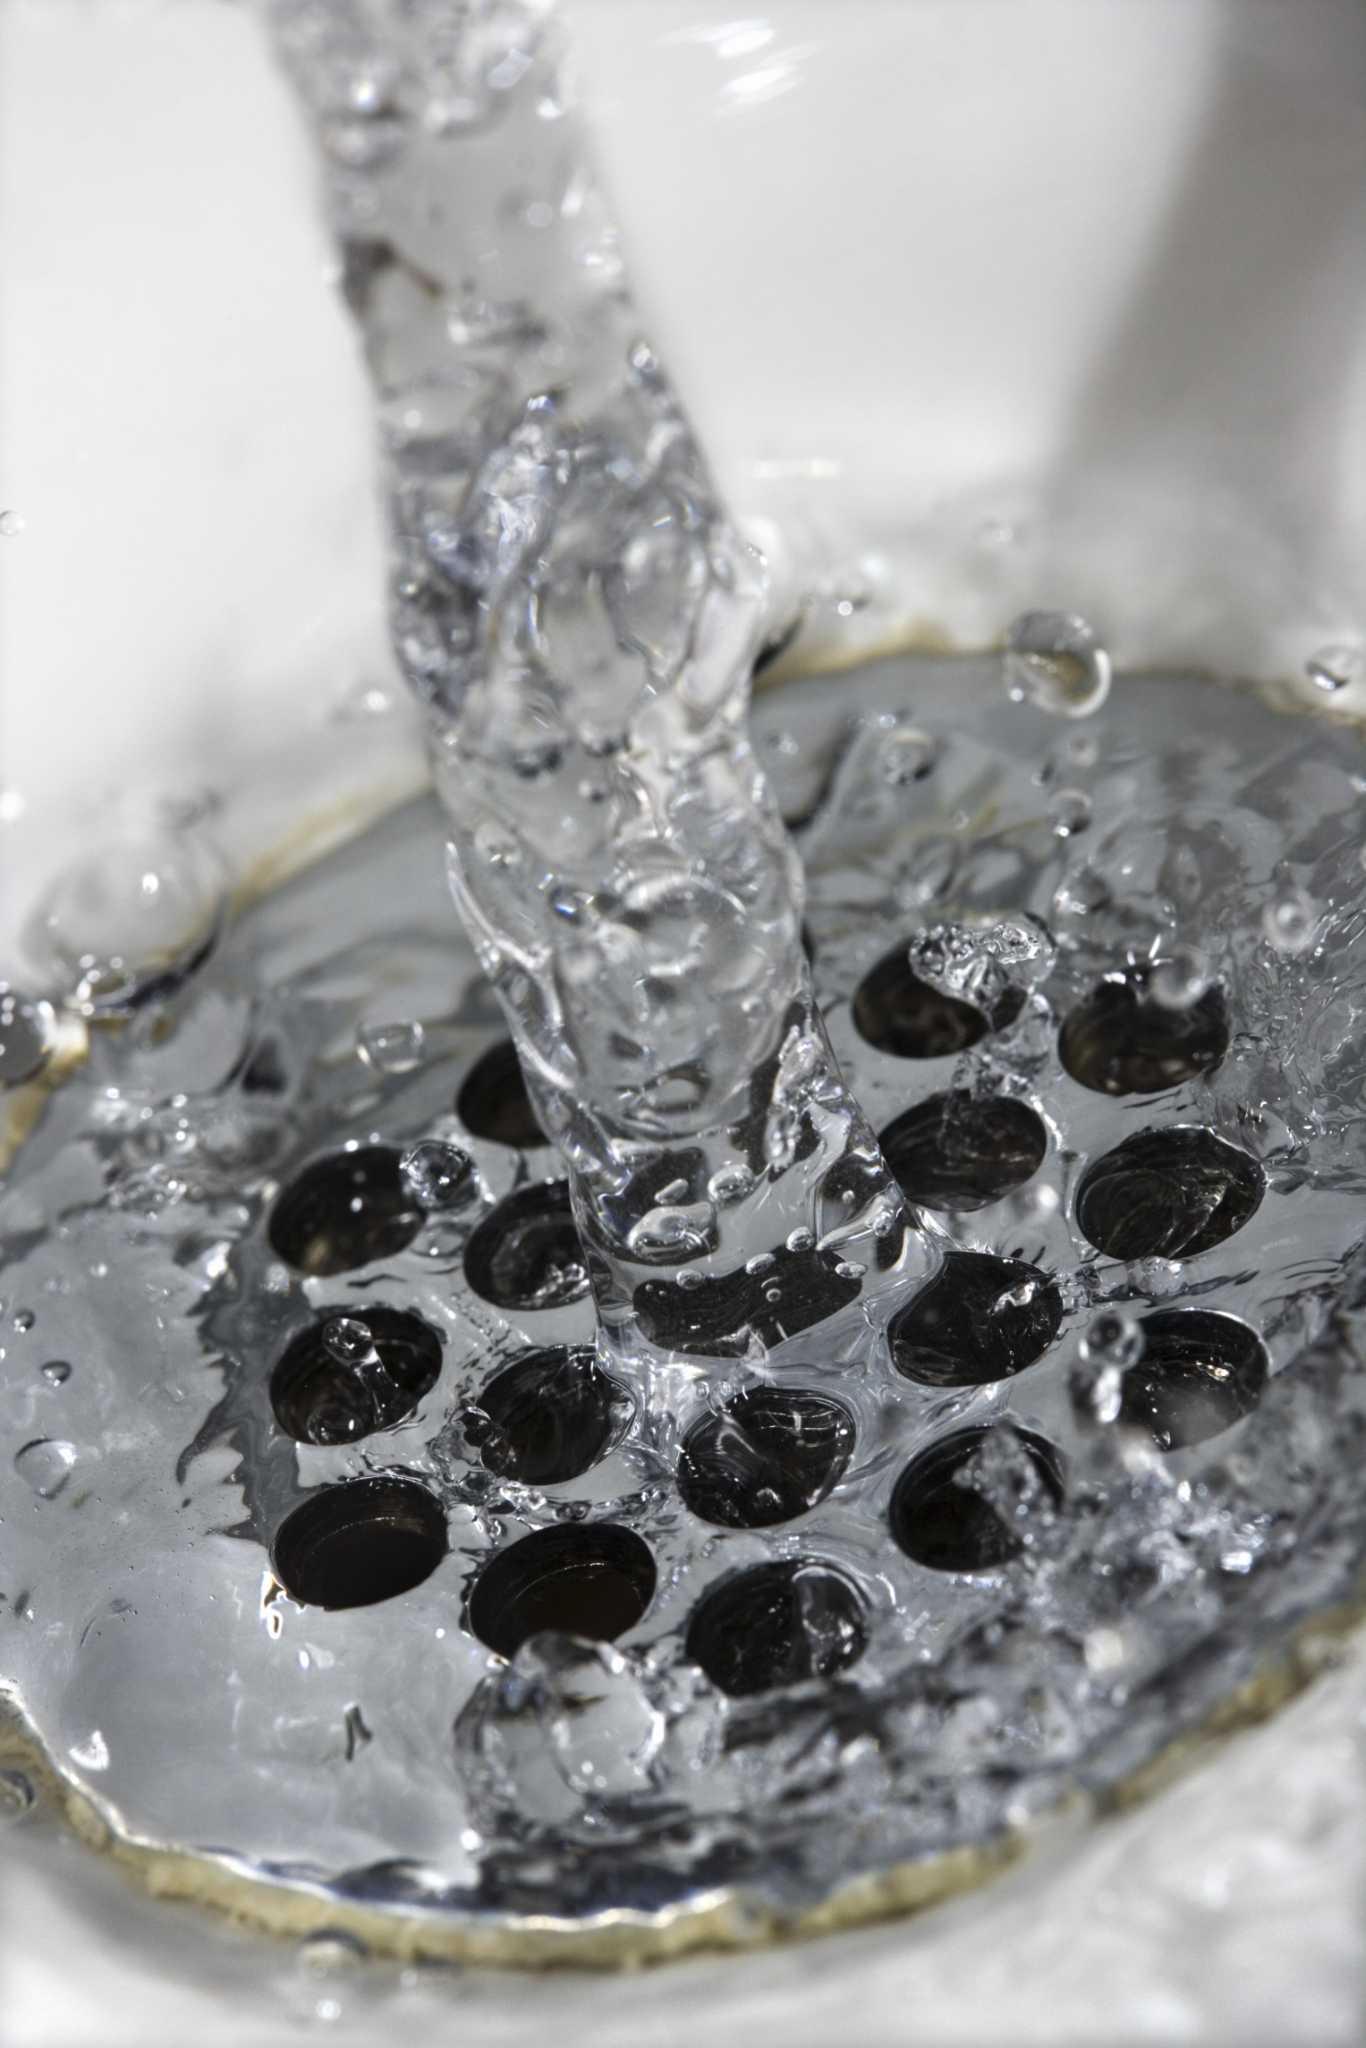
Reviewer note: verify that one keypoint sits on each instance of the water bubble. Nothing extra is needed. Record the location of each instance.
(17, 1795)
(730, 1183)
(1290, 920)
(129, 922)
(441, 1176)
(25, 1036)
(1179, 978)
(57, 1372)
(681, 1233)
(1159, 1279)
(1081, 892)
(348, 1339)
(1070, 811)
(1113, 1338)
(1055, 662)
(322, 1963)
(1337, 668)
(12, 525)
(907, 755)
(392, 1048)
(23, 1320)
(45, 1465)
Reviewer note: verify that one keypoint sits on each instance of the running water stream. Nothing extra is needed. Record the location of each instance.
(572, 605)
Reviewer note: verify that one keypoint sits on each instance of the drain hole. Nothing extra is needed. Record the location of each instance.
(1199, 1374)
(343, 1211)
(899, 1013)
(776, 1625)
(980, 1319)
(548, 1416)
(354, 1545)
(493, 1100)
(527, 1255)
(945, 1521)
(1167, 1194)
(592, 1579)
(772, 1455)
(778, 1295)
(353, 1371)
(961, 1151)
(1120, 1042)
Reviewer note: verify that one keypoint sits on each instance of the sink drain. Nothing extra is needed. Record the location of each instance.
(313, 1471)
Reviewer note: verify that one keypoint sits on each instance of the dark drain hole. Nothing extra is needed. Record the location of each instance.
(778, 1295)
(593, 1579)
(346, 1210)
(493, 1101)
(897, 1012)
(526, 1254)
(548, 1416)
(961, 1151)
(777, 1624)
(1168, 1194)
(980, 1319)
(1199, 1374)
(1120, 1042)
(773, 1454)
(353, 1371)
(357, 1544)
(942, 1520)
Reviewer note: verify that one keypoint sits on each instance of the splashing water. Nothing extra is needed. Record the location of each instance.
(581, 620)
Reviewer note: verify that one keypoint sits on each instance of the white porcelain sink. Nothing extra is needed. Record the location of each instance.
(977, 304)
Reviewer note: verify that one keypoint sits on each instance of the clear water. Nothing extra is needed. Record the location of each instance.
(571, 603)
(925, 1284)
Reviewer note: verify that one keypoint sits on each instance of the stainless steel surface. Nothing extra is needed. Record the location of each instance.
(311, 1755)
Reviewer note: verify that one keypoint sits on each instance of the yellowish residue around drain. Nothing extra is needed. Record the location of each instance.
(718, 1921)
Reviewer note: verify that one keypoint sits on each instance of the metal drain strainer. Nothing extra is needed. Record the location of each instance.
(342, 1583)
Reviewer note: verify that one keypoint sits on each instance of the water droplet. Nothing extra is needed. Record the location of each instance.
(1290, 920)
(392, 1048)
(1337, 668)
(1055, 662)
(440, 1176)
(930, 868)
(57, 1372)
(129, 922)
(25, 1036)
(17, 1795)
(45, 1465)
(12, 525)
(1179, 978)
(907, 755)
(1070, 811)
(762, 1262)
(23, 1320)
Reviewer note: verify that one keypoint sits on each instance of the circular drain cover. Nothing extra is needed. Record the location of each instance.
(335, 1563)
